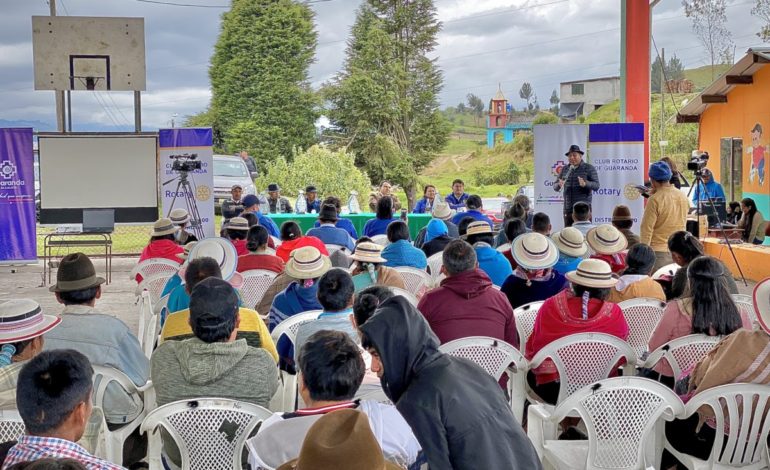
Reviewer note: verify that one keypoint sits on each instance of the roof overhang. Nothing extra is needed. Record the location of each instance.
(739, 74)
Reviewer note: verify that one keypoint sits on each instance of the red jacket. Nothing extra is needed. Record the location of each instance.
(264, 261)
(617, 266)
(284, 251)
(161, 249)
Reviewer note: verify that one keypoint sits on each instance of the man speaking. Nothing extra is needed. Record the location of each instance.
(579, 180)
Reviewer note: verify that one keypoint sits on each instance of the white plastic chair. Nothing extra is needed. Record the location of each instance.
(11, 425)
(332, 248)
(435, 261)
(154, 284)
(149, 324)
(683, 353)
(623, 418)
(742, 426)
(152, 266)
(209, 432)
(496, 357)
(746, 304)
(381, 240)
(584, 358)
(669, 269)
(416, 281)
(525, 320)
(255, 283)
(115, 439)
(642, 316)
(289, 329)
(405, 293)
(504, 248)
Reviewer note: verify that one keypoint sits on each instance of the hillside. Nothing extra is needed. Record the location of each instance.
(702, 77)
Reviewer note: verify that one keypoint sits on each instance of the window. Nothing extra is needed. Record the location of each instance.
(577, 89)
(730, 159)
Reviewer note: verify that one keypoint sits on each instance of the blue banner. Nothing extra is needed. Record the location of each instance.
(18, 242)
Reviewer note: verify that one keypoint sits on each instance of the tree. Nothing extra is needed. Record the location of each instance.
(762, 10)
(207, 118)
(477, 107)
(384, 102)
(554, 102)
(674, 70)
(461, 108)
(261, 94)
(709, 18)
(526, 94)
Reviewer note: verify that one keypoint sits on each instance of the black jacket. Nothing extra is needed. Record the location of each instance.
(573, 192)
(457, 411)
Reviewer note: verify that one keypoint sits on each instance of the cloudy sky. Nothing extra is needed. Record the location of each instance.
(483, 43)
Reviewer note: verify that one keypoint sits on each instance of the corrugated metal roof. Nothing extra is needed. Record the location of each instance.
(755, 59)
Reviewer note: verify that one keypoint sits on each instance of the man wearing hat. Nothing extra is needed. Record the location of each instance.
(180, 217)
(622, 220)
(311, 200)
(251, 204)
(440, 211)
(234, 206)
(578, 180)
(278, 204)
(213, 363)
(664, 214)
(328, 231)
(103, 339)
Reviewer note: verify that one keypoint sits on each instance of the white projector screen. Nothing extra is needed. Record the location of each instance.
(98, 171)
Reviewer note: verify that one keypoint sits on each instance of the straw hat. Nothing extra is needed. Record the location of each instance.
(606, 240)
(307, 263)
(238, 223)
(593, 273)
(762, 303)
(187, 247)
(23, 319)
(478, 228)
(368, 252)
(441, 210)
(571, 242)
(221, 249)
(340, 439)
(76, 272)
(179, 216)
(534, 251)
(163, 226)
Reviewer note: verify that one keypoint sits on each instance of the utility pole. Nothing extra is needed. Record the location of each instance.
(59, 94)
(663, 85)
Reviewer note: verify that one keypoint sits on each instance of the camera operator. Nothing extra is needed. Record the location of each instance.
(709, 188)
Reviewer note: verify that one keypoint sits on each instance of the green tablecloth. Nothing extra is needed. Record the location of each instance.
(306, 221)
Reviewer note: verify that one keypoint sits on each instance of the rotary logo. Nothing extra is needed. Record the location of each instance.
(203, 193)
(7, 169)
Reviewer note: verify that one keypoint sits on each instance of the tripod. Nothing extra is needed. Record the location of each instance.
(701, 186)
(191, 204)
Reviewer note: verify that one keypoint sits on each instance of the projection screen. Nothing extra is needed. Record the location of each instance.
(90, 171)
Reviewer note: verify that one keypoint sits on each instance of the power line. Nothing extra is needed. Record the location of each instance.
(200, 5)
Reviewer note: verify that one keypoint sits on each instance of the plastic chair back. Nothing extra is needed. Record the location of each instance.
(683, 353)
(332, 248)
(435, 261)
(505, 247)
(149, 322)
(381, 240)
(416, 281)
(11, 425)
(290, 326)
(255, 283)
(406, 294)
(154, 285)
(746, 304)
(667, 270)
(209, 432)
(642, 316)
(525, 320)
(152, 266)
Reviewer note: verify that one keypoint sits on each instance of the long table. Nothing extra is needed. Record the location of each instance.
(306, 221)
(754, 259)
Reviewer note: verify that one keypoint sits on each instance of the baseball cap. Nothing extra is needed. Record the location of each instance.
(250, 200)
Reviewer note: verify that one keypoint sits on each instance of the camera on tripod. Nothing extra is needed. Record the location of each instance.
(185, 162)
(698, 161)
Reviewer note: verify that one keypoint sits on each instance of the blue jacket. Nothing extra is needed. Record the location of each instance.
(493, 263)
(402, 253)
(268, 223)
(566, 263)
(456, 203)
(314, 206)
(376, 226)
(712, 188)
(332, 235)
(344, 224)
(293, 300)
(473, 213)
(421, 206)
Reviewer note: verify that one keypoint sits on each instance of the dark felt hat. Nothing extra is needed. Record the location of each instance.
(213, 301)
(621, 213)
(311, 189)
(273, 187)
(76, 272)
(574, 148)
(328, 212)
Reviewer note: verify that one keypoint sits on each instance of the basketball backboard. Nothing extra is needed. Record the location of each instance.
(88, 53)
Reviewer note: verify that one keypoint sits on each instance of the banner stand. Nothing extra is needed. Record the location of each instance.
(18, 222)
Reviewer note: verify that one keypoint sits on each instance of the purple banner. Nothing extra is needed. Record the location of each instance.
(18, 242)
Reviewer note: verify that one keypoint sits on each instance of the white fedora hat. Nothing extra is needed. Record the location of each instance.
(368, 252)
(593, 273)
(534, 251)
(179, 216)
(762, 303)
(221, 249)
(606, 240)
(571, 242)
(307, 263)
(163, 226)
(22, 320)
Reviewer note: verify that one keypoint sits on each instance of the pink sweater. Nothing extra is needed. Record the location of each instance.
(675, 323)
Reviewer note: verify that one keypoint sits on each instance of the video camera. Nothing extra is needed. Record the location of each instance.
(698, 161)
(185, 162)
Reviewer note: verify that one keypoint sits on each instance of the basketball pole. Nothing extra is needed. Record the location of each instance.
(59, 94)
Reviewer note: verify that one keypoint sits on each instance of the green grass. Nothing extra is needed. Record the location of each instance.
(702, 76)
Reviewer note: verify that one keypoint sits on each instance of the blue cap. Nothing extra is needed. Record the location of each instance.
(659, 171)
(250, 200)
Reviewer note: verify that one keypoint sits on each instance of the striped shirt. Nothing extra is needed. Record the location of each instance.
(30, 448)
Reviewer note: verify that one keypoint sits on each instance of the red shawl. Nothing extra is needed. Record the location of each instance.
(166, 249)
(561, 316)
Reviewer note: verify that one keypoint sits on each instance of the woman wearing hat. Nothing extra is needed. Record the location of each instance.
(368, 268)
(236, 231)
(180, 217)
(533, 279)
(709, 310)
(608, 244)
(291, 239)
(306, 266)
(572, 249)
(581, 309)
(636, 281)
(162, 243)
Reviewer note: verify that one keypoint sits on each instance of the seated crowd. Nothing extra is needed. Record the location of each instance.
(373, 384)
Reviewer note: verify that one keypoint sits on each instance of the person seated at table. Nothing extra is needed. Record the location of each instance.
(236, 232)
(369, 268)
(259, 257)
(752, 222)
(635, 281)
(622, 220)
(278, 204)
(425, 205)
(491, 261)
(709, 310)
(474, 206)
(513, 229)
(234, 206)
(328, 231)
(291, 239)
(581, 309)
(311, 200)
(533, 279)
(162, 244)
(436, 237)
(608, 244)
(181, 218)
(383, 218)
(343, 223)
(251, 204)
(684, 248)
(384, 190)
(400, 251)
(709, 189)
(458, 197)
(572, 249)
(734, 213)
